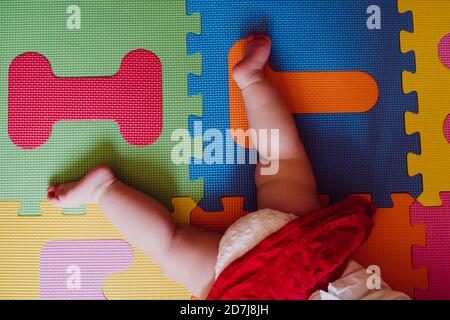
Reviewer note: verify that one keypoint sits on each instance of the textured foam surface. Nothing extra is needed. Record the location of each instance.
(108, 32)
(361, 150)
(76, 269)
(37, 99)
(435, 256)
(390, 247)
(350, 152)
(431, 82)
(22, 239)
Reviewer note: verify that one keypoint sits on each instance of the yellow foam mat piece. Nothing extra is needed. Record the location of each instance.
(432, 82)
(23, 237)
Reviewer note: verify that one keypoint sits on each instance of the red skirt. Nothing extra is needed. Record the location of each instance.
(305, 255)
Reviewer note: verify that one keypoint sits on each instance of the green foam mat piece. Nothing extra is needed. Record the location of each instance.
(109, 30)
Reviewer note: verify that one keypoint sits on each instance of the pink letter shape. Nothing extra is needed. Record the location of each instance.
(37, 99)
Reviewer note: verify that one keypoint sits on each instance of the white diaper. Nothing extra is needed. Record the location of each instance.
(248, 231)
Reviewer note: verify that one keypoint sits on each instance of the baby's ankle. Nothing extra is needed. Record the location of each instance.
(103, 189)
(249, 79)
(104, 181)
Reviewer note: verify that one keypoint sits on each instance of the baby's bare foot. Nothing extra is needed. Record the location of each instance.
(250, 69)
(88, 190)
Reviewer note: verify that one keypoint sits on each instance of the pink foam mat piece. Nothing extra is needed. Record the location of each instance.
(436, 255)
(37, 99)
(444, 50)
(76, 269)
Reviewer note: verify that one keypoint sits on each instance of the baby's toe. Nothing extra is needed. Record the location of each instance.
(51, 191)
(58, 195)
(52, 195)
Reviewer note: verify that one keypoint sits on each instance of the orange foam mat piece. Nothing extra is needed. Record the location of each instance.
(219, 221)
(233, 210)
(390, 246)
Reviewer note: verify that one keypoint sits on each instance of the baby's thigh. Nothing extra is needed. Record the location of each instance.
(191, 259)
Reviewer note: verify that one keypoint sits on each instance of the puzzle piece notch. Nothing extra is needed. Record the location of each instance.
(195, 58)
(132, 98)
(435, 256)
(76, 269)
(390, 245)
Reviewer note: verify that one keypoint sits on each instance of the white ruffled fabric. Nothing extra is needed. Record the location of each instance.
(248, 231)
(352, 285)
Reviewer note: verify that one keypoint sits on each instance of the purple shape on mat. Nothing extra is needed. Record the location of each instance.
(444, 50)
(436, 255)
(76, 269)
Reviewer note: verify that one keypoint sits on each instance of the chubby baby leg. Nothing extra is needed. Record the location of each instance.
(292, 188)
(185, 254)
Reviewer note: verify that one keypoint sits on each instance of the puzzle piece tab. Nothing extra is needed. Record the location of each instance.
(390, 244)
(37, 99)
(76, 269)
(431, 82)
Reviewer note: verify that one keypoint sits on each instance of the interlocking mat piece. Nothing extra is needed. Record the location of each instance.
(37, 99)
(182, 210)
(390, 246)
(76, 269)
(305, 92)
(351, 153)
(431, 81)
(109, 31)
(436, 255)
(219, 221)
(22, 239)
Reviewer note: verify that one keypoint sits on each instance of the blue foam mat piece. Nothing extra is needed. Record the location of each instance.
(351, 153)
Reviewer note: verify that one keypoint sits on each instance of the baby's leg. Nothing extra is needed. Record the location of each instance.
(185, 254)
(293, 188)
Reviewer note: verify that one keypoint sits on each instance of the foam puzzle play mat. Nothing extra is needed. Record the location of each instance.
(84, 83)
